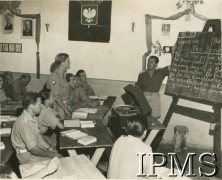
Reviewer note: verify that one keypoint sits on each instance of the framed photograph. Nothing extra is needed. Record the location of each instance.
(0, 47)
(27, 31)
(11, 47)
(165, 29)
(4, 47)
(18, 48)
(8, 23)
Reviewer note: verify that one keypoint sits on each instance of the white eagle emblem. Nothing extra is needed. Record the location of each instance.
(89, 14)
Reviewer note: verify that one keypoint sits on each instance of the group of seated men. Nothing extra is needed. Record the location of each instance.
(30, 131)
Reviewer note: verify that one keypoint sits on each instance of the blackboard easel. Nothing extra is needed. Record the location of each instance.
(210, 117)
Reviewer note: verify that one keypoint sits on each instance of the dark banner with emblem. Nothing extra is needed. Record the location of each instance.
(90, 20)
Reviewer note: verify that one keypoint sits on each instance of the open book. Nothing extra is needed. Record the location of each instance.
(74, 134)
(99, 97)
(87, 140)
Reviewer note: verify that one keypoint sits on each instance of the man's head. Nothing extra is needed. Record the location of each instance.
(82, 75)
(61, 59)
(32, 102)
(72, 80)
(8, 78)
(7, 173)
(152, 62)
(25, 79)
(47, 97)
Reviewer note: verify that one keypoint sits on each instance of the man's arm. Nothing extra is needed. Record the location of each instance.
(43, 153)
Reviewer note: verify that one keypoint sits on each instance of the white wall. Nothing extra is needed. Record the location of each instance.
(118, 60)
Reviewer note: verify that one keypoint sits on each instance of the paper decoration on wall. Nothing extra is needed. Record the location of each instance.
(165, 29)
(90, 20)
(158, 50)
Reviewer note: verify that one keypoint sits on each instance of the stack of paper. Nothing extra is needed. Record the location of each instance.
(102, 97)
(87, 140)
(80, 115)
(93, 97)
(72, 123)
(5, 131)
(2, 145)
(74, 134)
(87, 110)
(87, 124)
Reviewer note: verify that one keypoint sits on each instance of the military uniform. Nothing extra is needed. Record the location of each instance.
(151, 87)
(24, 137)
(87, 89)
(59, 87)
(77, 98)
(19, 89)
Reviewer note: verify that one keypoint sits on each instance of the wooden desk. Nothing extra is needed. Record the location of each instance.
(11, 107)
(75, 167)
(99, 131)
(6, 139)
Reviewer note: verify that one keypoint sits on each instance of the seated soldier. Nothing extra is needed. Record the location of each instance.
(84, 84)
(20, 84)
(48, 119)
(8, 88)
(26, 139)
(77, 98)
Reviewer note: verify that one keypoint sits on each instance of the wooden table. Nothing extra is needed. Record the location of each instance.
(11, 107)
(6, 139)
(99, 131)
(74, 167)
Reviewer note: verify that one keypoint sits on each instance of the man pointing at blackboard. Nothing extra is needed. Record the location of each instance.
(150, 81)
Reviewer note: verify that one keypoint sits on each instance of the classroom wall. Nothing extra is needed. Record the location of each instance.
(113, 64)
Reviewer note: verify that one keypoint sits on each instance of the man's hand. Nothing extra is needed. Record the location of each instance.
(56, 154)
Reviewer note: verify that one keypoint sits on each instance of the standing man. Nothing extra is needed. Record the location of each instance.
(29, 144)
(150, 81)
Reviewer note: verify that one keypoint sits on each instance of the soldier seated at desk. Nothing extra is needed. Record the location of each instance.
(8, 87)
(26, 139)
(87, 89)
(48, 119)
(77, 98)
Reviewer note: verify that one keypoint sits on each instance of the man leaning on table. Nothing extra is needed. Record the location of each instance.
(26, 138)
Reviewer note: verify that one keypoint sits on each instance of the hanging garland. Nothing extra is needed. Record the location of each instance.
(12, 5)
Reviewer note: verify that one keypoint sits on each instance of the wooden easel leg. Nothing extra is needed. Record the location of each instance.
(217, 139)
(166, 121)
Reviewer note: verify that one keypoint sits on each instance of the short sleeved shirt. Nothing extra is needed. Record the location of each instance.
(10, 92)
(47, 118)
(152, 84)
(58, 85)
(25, 132)
(87, 89)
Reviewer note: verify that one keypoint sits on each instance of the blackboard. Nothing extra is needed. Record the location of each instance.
(196, 68)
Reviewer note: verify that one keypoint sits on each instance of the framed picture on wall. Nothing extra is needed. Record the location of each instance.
(27, 31)
(11, 47)
(4, 47)
(8, 23)
(0, 47)
(165, 29)
(18, 48)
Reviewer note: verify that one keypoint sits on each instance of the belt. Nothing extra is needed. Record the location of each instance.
(19, 151)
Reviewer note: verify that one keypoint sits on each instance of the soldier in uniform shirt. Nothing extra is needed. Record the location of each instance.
(84, 84)
(77, 98)
(58, 85)
(26, 139)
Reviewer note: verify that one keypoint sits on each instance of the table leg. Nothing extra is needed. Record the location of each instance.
(72, 152)
(97, 155)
